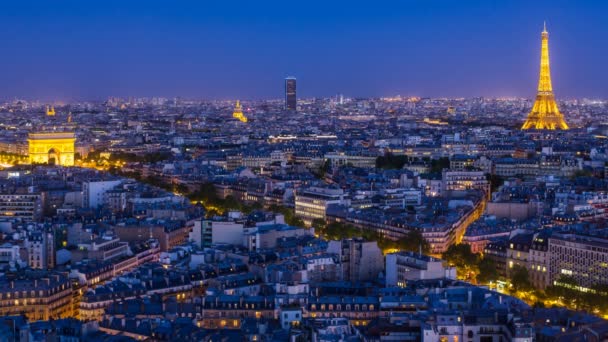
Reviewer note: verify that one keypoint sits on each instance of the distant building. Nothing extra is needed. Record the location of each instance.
(361, 260)
(93, 192)
(40, 246)
(266, 236)
(538, 268)
(27, 206)
(102, 249)
(461, 162)
(518, 251)
(290, 93)
(338, 159)
(312, 203)
(584, 258)
(404, 266)
(208, 232)
(455, 180)
(37, 296)
(497, 252)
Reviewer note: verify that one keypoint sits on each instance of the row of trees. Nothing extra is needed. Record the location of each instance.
(568, 292)
(152, 157)
(413, 241)
(565, 291)
(215, 205)
(289, 214)
(12, 158)
(392, 161)
(470, 266)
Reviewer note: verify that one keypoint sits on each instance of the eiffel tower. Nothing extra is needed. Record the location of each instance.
(545, 114)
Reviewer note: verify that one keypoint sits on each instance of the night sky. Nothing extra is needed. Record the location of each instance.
(89, 49)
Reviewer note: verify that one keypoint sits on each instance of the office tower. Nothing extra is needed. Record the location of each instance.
(545, 114)
(290, 93)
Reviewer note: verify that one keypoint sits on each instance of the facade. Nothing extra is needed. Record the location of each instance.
(9, 253)
(266, 236)
(404, 266)
(361, 260)
(167, 236)
(338, 159)
(290, 93)
(358, 310)
(497, 252)
(538, 265)
(490, 326)
(462, 162)
(40, 246)
(38, 297)
(27, 206)
(584, 258)
(208, 232)
(454, 180)
(226, 311)
(479, 240)
(93, 192)
(107, 249)
(518, 251)
(51, 148)
(312, 203)
(514, 210)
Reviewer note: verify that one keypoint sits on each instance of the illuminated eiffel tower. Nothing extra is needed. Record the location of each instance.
(545, 114)
(238, 112)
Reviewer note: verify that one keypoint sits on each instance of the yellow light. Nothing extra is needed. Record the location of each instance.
(545, 114)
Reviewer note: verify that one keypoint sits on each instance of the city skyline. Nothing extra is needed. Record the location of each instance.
(88, 52)
(303, 171)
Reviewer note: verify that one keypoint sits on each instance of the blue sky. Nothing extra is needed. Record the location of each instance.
(68, 50)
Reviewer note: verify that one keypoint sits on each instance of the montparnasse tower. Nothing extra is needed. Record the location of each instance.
(544, 113)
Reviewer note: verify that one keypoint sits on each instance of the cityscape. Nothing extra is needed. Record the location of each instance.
(306, 217)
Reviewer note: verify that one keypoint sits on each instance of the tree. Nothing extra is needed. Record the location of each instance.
(495, 181)
(466, 262)
(391, 161)
(319, 225)
(487, 271)
(437, 165)
(230, 202)
(248, 208)
(520, 279)
(413, 242)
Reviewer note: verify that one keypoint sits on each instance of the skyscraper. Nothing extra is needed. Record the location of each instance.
(290, 93)
(545, 114)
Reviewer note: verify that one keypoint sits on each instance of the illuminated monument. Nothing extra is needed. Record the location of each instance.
(545, 114)
(238, 112)
(53, 148)
(50, 111)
